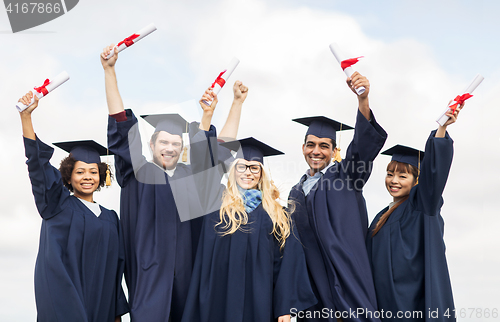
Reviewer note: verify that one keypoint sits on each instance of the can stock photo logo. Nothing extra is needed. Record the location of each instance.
(26, 14)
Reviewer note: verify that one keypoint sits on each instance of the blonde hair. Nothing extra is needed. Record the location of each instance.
(232, 213)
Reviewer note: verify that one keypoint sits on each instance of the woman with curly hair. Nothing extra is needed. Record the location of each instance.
(249, 265)
(79, 266)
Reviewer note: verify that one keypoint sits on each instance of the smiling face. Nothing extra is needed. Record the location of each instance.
(85, 180)
(318, 152)
(250, 176)
(399, 181)
(166, 150)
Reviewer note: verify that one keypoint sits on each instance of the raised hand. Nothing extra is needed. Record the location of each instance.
(453, 115)
(208, 110)
(230, 129)
(26, 100)
(27, 125)
(209, 96)
(240, 91)
(357, 80)
(109, 63)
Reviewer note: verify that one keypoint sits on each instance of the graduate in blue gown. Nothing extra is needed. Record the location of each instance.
(250, 264)
(80, 260)
(405, 240)
(159, 247)
(331, 214)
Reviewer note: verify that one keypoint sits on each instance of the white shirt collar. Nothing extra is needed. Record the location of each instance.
(170, 172)
(93, 206)
(323, 171)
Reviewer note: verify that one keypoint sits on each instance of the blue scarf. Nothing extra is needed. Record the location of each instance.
(252, 198)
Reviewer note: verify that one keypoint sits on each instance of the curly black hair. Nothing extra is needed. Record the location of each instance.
(67, 166)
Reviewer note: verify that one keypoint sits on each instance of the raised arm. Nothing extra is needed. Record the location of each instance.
(208, 110)
(453, 115)
(115, 103)
(204, 153)
(369, 137)
(436, 166)
(28, 131)
(230, 129)
(219, 154)
(46, 182)
(124, 139)
(355, 81)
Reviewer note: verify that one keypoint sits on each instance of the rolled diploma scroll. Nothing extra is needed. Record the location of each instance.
(349, 70)
(225, 75)
(469, 89)
(141, 34)
(54, 83)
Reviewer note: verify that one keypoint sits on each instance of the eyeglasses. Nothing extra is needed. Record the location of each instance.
(254, 168)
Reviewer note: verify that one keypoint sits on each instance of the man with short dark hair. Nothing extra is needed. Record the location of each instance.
(167, 149)
(331, 214)
(159, 247)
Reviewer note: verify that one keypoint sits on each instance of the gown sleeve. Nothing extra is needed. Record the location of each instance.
(206, 166)
(369, 138)
(434, 172)
(215, 155)
(124, 141)
(202, 143)
(292, 288)
(122, 306)
(48, 188)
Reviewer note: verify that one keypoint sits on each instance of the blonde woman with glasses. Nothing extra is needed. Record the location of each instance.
(249, 265)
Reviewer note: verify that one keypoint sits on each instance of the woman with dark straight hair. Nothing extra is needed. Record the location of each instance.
(405, 240)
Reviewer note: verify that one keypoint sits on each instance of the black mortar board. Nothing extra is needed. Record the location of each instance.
(171, 123)
(322, 127)
(252, 149)
(87, 151)
(405, 154)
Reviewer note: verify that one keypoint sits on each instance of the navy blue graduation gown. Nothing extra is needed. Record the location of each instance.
(332, 223)
(79, 267)
(159, 248)
(408, 253)
(245, 277)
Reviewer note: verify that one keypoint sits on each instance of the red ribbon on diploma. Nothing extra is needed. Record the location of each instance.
(128, 41)
(42, 88)
(349, 62)
(219, 80)
(460, 99)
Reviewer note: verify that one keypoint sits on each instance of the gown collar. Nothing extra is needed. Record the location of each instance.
(93, 206)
